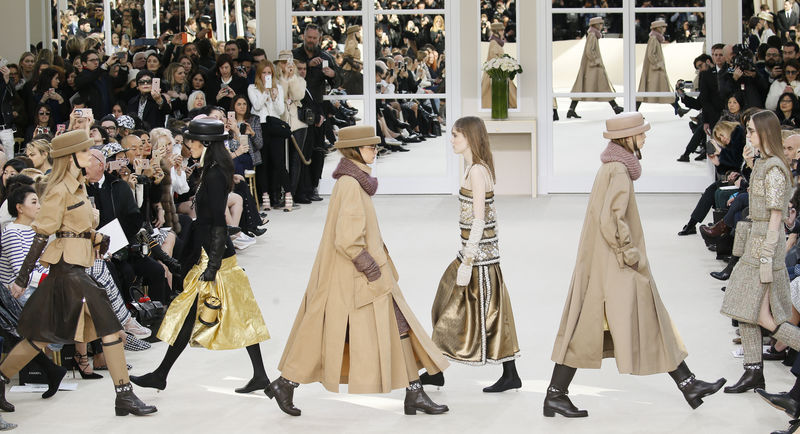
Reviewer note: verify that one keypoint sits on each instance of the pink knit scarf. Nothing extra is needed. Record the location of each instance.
(596, 32)
(656, 34)
(348, 168)
(615, 152)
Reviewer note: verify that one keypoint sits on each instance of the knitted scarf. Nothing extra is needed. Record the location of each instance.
(656, 34)
(597, 33)
(498, 40)
(615, 152)
(348, 168)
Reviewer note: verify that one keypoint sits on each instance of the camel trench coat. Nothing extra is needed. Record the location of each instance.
(346, 325)
(640, 334)
(654, 74)
(592, 75)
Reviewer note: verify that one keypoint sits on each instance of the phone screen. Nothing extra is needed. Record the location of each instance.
(324, 64)
(268, 81)
(157, 84)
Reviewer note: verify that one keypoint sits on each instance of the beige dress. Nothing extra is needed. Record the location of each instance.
(613, 310)
(474, 324)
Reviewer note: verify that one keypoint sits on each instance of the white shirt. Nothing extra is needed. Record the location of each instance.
(179, 183)
(264, 105)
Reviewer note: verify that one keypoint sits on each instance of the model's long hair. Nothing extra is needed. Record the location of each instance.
(769, 133)
(217, 153)
(61, 166)
(260, 85)
(474, 130)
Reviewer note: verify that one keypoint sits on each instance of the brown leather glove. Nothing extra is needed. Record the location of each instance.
(38, 245)
(366, 264)
(102, 244)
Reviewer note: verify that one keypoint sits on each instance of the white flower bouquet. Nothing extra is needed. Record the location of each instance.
(502, 67)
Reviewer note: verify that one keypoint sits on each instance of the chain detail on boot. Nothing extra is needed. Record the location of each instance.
(282, 390)
(752, 378)
(417, 399)
(557, 401)
(128, 403)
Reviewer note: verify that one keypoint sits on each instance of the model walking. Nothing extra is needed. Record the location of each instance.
(592, 75)
(354, 326)
(68, 306)
(654, 71)
(496, 43)
(613, 308)
(217, 309)
(471, 315)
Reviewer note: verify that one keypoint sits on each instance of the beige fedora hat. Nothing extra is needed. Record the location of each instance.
(596, 20)
(285, 55)
(497, 26)
(658, 23)
(355, 136)
(70, 143)
(627, 124)
(766, 16)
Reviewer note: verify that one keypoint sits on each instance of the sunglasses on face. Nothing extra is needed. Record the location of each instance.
(44, 113)
(146, 81)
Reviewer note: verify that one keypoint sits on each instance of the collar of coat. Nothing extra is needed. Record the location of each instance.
(616, 153)
(658, 35)
(74, 179)
(360, 172)
(597, 33)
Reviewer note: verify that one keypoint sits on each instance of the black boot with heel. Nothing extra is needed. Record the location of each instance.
(694, 390)
(509, 380)
(557, 400)
(752, 378)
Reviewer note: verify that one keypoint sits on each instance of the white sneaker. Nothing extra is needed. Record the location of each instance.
(391, 141)
(242, 243)
(133, 327)
(246, 237)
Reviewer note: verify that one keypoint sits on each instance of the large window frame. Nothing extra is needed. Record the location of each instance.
(446, 184)
(549, 181)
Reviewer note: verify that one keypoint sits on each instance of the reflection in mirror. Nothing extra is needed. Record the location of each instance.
(671, 3)
(587, 4)
(409, 4)
(325, 5)
(498, 30)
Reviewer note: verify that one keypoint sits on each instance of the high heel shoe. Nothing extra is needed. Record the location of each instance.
(434, 380)
(82, 363)
(53, 372)
(265, 204)
(289, 203)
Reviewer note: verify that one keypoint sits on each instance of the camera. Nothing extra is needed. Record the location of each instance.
(685, 84)
(742, 59)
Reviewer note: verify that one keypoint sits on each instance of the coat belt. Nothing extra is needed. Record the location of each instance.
(87, 235)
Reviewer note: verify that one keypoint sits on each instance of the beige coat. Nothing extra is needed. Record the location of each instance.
(592, 75)
(640, 335)
(654, 74)
(295, 88)
(495, 50)
(345, 324)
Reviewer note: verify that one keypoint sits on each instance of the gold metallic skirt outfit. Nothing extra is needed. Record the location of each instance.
(474, 324)
(239, 322)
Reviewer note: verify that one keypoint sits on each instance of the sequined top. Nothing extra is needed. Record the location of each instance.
(770, 189)
(488, 247)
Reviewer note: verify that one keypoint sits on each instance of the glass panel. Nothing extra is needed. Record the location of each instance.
(671, 3)
(587, 4)
(410, 53)
(577, 143)
(407, 5)
(334, 30)
(325, 5)
(578, 67)
(662, 64)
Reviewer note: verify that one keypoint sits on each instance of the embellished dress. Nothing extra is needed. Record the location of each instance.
(474, 324)
(770, 189)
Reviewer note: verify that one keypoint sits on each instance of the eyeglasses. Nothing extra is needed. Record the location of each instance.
(786, 100)
(145, 81)
(44, 113)
(790, 71)
(93, 59)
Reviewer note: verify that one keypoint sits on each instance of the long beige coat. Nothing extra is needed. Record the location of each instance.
(295, 88)
(640, 334)
(345, 324)
(592, 75)
(495, 50)
(654, 74)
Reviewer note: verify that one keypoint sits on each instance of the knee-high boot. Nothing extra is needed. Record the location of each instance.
(416, 398)
(694, 390)
(20, 355)
(557, 400)
(127, 402)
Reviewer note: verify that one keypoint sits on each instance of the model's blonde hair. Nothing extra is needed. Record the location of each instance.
(43, 147)
(474, 130)
(724, 127)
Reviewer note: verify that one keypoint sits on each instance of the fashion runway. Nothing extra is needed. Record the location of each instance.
(538, 244)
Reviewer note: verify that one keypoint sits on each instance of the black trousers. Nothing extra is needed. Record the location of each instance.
(295, 164)
(315, 145)
(273, 156)
(705, 203)
(698, 139)
(151, 272)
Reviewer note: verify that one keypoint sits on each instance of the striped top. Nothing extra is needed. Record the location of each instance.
(15, 242)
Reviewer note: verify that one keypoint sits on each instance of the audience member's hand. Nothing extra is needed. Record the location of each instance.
(737, 73)
(16, 290)
(159, 221)
(5, 72)
(238, 178)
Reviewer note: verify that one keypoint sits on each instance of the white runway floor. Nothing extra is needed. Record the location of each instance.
(538, 239)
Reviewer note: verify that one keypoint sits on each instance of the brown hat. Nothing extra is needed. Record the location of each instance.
(355, 136)
(70, 143)
(626, 124)
(497, 26)
(658, 23)
(596, 20)
(353, 29)
(285, 55)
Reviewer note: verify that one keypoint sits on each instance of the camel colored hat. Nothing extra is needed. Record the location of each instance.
(596, 20)
(497, 26)
(766, 16)
(285, 55)
(658, 23)
(70, 143)
(626, 124)
(355, 136)
(353, 29)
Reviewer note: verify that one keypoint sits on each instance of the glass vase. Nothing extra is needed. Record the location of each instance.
(499, 98)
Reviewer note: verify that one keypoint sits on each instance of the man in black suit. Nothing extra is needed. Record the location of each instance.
(95, 85)
(711, 87)
(786, 21)
(149, 105)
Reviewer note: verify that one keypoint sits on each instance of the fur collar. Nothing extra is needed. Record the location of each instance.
(352, 169)
(615, 152)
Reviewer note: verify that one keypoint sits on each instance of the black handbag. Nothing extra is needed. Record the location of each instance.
(146, 311)
(306, 115)
(277, 128)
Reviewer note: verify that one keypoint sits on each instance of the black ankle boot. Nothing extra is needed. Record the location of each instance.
(128, 403)
(794, 425)
(509, 380)
(53, 372)
(433, 380)
(555, 114)
(725, 274)
(417, 399)
(572, 114)
(557, 400)
(255, 383)
(752, 378)
(694, 390)
(283, 392)
(151, 380)
(781, 401)
(5, 405)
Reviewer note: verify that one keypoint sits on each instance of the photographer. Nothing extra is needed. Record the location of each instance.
(742, 75)
(788, 82)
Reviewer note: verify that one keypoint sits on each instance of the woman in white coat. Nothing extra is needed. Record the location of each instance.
(783, 85)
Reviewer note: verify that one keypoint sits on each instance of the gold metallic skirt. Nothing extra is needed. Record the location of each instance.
(474, 324)
(239, 324)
